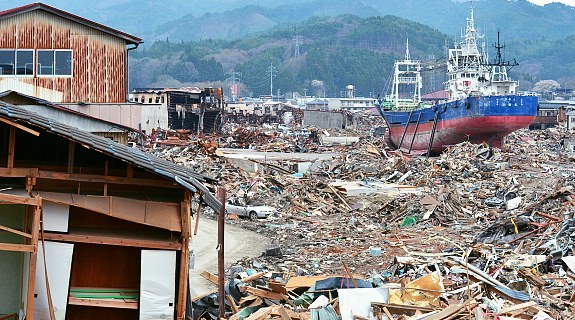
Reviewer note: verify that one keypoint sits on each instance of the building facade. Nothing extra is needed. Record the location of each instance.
(60, 57)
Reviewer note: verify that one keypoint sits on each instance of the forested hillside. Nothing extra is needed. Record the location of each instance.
(333, 53)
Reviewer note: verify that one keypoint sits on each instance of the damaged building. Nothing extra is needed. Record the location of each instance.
(194, 109)
(89, 228)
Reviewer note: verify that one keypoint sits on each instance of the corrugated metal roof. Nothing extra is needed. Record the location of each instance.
(131, 155)
(41, 6)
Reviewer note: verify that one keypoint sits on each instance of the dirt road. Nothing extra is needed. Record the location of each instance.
(238, 243)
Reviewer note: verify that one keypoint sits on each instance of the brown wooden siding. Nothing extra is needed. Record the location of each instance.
(25, 30)
(7, 32)
(99, 59)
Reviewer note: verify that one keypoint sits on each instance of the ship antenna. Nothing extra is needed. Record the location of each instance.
(407, 57)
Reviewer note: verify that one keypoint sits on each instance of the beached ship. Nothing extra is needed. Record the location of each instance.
(483, 104)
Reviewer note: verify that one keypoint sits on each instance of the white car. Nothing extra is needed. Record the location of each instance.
(252, 212)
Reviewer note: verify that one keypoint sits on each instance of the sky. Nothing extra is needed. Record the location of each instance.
(542, 2)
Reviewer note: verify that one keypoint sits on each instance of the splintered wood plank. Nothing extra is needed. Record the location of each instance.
(264, 294)
(210, 276)
(18, 232)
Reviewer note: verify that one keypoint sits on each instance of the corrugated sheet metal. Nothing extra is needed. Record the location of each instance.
(99, 59)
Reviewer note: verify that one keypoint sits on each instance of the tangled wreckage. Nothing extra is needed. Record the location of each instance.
(367, 233)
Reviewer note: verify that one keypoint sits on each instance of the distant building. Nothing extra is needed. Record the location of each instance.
(192, 109)
(550, 114)
(54, 55)
(570, 121)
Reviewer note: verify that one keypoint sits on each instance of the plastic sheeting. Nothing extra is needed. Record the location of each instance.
(158, 285)
(59, 265)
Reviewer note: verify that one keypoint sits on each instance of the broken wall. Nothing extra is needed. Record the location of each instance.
(324, 120)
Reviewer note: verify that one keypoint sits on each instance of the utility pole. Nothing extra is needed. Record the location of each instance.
(221, 194)
(233, 88)
(271, 70)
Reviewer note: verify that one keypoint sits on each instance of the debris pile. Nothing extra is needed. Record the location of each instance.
(362, 232)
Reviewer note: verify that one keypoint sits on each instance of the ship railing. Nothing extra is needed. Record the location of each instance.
(406, 106)
(407, 80)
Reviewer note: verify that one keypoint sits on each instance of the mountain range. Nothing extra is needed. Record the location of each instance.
(232, 19)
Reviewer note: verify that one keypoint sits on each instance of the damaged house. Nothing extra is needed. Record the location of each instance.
(89, 228)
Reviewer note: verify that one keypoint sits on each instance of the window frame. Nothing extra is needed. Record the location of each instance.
(53, 74)
(15, 68)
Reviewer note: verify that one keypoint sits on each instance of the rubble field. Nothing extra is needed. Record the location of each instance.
(363, 232)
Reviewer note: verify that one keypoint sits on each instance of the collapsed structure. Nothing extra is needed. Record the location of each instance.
(105, 227)
(364, 232)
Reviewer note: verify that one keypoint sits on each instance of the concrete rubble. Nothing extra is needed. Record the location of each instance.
(363, 232)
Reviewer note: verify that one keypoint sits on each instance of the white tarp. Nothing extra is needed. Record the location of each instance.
(59, 265)
(158, 285)
(358, 301)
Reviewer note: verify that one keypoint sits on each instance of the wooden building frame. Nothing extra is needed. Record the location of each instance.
(99, 201)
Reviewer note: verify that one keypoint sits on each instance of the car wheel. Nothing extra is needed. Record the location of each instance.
(253, 215)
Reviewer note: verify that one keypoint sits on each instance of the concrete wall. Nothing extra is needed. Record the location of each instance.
(323, 119)
(132, 115)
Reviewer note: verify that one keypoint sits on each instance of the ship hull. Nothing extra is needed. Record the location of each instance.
(474, 119)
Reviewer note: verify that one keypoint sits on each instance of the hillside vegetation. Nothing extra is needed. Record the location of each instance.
(333, 53)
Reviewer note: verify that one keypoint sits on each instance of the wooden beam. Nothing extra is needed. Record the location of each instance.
(80, 177)
(18, 232)
(120, 304)
(55, 175)
(35, 230)
(11, 146)
(14, 199)
(18, 172)
(19, 126)
(17, 247)
(184, 256)
(107, 240)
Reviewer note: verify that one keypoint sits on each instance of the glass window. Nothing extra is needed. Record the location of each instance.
(17, 62)
(25, 62)
(45, 63)
(63, 63)
(54, 63)
(7, 62)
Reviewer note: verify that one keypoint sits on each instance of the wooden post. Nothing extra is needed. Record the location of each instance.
(11, 146)
(184, 257)
(33, 259)
(130, 171)
(221, 193)
(71, 148)
(198, 214)
(105, 174)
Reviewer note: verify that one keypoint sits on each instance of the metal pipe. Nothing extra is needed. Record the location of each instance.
(221, 192)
